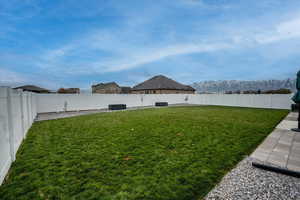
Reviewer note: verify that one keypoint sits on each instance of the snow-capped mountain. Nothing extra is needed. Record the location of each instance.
(234, 85)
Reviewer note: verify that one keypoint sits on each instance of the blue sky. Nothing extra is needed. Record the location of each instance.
(78, 43)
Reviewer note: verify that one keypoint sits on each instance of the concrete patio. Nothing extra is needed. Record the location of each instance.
(280, 151)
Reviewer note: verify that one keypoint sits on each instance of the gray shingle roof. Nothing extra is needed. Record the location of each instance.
(103, 85)
(33, 88)
(125, 90)
(161, 82)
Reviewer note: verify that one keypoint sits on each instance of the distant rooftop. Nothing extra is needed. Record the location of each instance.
(105, 84)
(162, 82)
(33, 88)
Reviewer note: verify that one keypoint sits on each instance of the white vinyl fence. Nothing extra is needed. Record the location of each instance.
(19, 109)
(275, 101)
(73, 102)
(17, 113)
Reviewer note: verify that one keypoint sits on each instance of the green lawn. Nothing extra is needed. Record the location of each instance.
(168, 153)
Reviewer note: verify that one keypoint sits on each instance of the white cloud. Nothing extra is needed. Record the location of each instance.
(283, 31)
(129, 56)
(290, 28)
(134, 54)
(133, 60)
(57, 53)
(159, 54)
(13, 79)
(8, 77)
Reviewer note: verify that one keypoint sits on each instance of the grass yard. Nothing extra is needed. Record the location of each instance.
(169, 153)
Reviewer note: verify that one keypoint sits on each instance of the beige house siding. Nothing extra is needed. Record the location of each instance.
(107, 90)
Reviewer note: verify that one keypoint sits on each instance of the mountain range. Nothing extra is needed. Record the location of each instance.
(223, 86)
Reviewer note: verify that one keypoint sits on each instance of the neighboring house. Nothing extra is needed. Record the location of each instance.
(162, 85)
(110, 88)
(33, 88)
(68, 91)
(125, 90)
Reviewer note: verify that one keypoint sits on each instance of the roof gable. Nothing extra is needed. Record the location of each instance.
(161, 82)
(32, 88)
(105, 85)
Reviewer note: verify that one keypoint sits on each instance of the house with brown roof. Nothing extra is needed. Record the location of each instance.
(68, 91)
(33, 88)
(110, 88)
(162, 85)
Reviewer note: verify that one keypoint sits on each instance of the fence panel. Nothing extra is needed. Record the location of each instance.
(73, 102)
(5, 158)
(16, 118)
(277, 101)
(17, 112)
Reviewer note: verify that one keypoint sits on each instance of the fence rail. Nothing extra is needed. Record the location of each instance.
(19, 109)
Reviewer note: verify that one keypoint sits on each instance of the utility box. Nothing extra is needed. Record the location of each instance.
(161, 103)
(117, 106)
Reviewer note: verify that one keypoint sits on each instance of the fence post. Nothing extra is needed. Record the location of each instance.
(271, 101)
(10, 124)
(27, 110)
(22, 112)
(31, 117)
(34, 106)
(30, 108)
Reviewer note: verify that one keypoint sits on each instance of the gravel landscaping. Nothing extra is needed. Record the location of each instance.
(248, 182)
